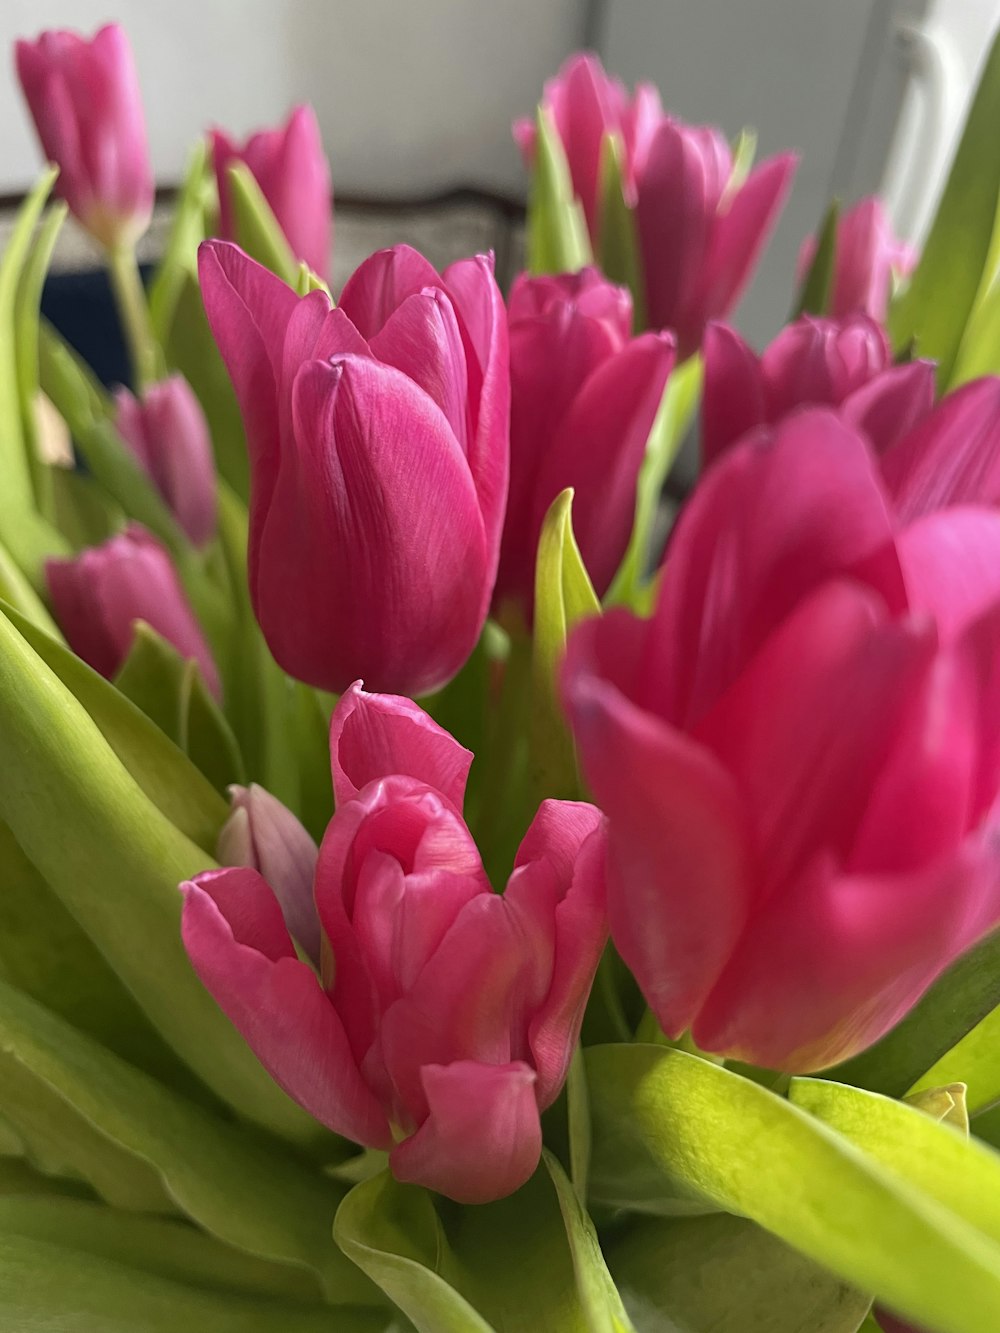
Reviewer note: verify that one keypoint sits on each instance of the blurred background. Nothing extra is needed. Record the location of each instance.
(416, 99)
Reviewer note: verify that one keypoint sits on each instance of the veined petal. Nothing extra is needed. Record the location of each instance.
(382, 283)
(733, 398)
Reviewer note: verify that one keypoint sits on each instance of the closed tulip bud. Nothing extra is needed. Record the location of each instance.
(378, 437)
(84, 99)
(819, 362)
(264, 834)
(868, 259)
(99, 594)
(799, 764)
(167, 433)
(583, 399)
(291, 169)
(444, 1015)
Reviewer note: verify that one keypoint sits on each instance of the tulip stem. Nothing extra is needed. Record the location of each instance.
(133, 312)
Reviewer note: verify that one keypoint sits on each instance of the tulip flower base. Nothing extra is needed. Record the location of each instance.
(426, 904)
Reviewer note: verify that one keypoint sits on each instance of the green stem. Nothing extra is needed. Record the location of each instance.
(133, 311)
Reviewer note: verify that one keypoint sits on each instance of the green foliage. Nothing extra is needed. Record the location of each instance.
(557, 231)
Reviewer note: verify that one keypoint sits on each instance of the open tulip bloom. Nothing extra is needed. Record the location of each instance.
(427, 900)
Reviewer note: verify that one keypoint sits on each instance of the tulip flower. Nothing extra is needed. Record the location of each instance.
(838, 363)
(798, 752)
(868, 259)
(291, 169)
(444, 1015)
(700, 230)
(84, 99)
(378, 437)
(583, 399)
(99, 594)
(167, 433)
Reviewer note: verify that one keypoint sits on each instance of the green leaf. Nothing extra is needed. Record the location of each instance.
(680, 399)
(934, 309)
(258, 231)
(728, 1275)
(84, 513)
(115, 862)
(564, 595)
(166, 776)
(47, 1289)
(705, 1133)
(974, 1061)
(244, 1193)
(619, 256)
(953, 1006)
(18, 593)
(187, 230)
(814, 297)
(556, 230)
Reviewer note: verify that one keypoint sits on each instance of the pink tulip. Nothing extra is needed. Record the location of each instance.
(291, 169)
(378, 437)
(799, 752)
(167, 432)
(444, 1015)
(84, 99)
(583, 399)
(99, 594)
(837, 363)
(867, 259)
(264, 834)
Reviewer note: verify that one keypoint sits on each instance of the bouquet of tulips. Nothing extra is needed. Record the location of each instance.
(428, 899)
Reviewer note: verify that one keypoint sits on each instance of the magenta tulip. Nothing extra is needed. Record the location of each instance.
(800, 751)
(167, 433)
(378, 437)
(84, 99)
(444, 1015)
(99, 594)
(291, 169)
(583, 399)
(868, 259)
(821, 362)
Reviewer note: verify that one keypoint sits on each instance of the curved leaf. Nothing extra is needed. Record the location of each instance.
(557, 232)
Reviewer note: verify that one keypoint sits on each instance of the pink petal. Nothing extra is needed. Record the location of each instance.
(482, 1138)
(382, 283)
(951, 564)
(892, 404)
(422, 339)
(733, 396)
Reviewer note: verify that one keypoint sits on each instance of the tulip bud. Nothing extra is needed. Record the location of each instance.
(84, 99)
(291, 169)
(583, 400)
(798, 752)
(378, 436)
(868, 258)
(99, 594)
(446, 1015)
(167, 432)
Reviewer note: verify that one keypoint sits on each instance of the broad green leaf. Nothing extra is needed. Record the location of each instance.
(814, 297)
(187, 230)
(47, 1289)
(257, 229)
(16, 590)
(18, 1177)
(706, 1133)
(619, 256)
(934, 309)
(974, 1061)
(84, 513)
(247, 1194)
(602, 1305)
(979, 352)
(564, 595)
(166, 776)
(557, 230)
(954, 1005)
(728, 1275)
(680, 399)
(115, 862)
(578, 1124)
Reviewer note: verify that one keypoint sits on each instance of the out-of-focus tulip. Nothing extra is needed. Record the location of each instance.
(84, 99)
(821, 362)
(444, 1015)
(799, 753)
(264, 834)
(291, 169)
(583, 399)
(167, 432)
(379, 449)
(700, 230)
(867, 259)
(99, 594)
